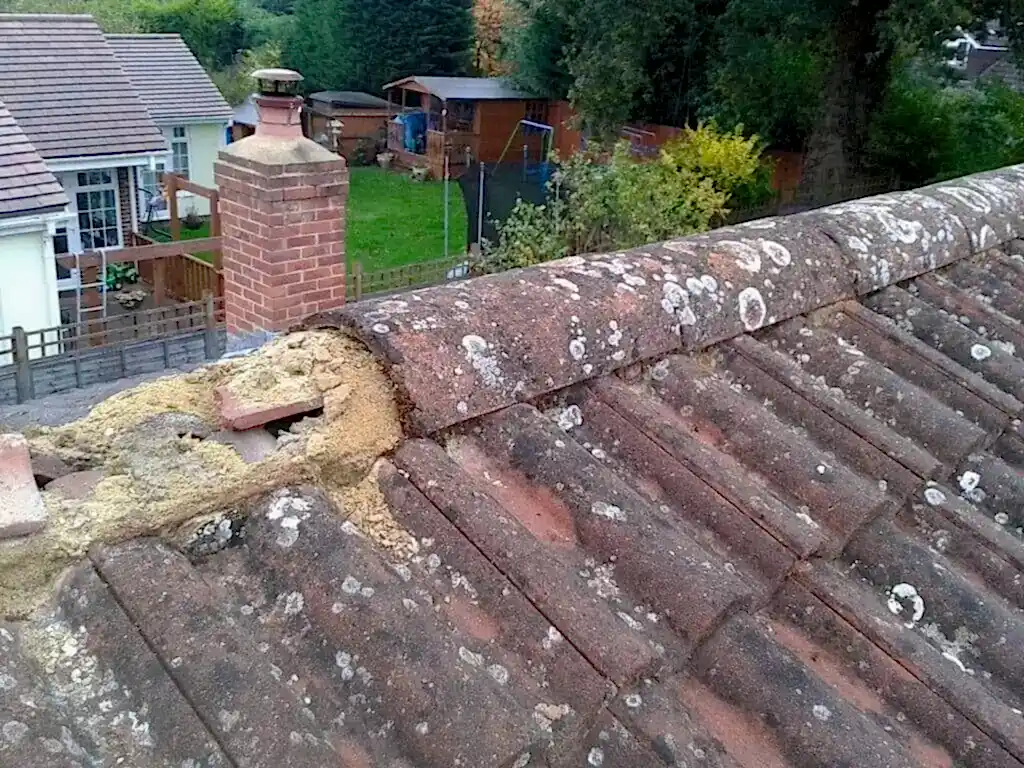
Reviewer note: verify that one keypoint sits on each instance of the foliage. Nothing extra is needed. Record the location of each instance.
(805, 74)
(927, 130)
(114, 16)
(617, 201)
(235, 82)
(616, 61)
(119, 275)
(770, 69)
(363, 44)
(488, 22)
(533, 42)
(213, 29)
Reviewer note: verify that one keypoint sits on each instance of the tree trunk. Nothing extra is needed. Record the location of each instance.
(854, 88)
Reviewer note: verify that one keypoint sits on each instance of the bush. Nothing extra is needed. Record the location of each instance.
(927, 130)
(609, 201)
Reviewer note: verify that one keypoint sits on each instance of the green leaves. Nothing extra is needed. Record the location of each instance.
(611, 201)
(213, 29)
(363, 44)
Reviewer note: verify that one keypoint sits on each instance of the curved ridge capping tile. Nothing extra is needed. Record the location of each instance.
(890, 238)
(462, 350)
(990, 205)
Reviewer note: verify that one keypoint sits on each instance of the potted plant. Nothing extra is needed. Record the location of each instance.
(385, 159)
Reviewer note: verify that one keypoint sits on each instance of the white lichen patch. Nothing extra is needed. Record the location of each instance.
(608, 511)
(821, 712)
(479, 355)
(954, 650)
(676, 303)
(903, 596)
(551, 639)
(567, 418)
(934, 496)
(752, 308)
(578, 348)
(980, 352)
(601, 579)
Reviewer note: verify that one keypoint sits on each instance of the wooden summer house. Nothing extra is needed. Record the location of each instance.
(469, 118)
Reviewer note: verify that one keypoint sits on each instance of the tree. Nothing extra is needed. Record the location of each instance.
(616, 61)
(808, 73)
(213, 29)
(235, 82)
(363, 44)
(488, 21)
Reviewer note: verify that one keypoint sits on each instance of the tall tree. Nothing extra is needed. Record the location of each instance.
(807, 73)
(213, 29)
(363, 44)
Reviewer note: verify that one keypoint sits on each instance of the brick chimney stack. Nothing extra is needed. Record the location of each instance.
(282, 200)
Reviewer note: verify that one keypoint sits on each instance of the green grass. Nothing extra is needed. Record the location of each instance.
(162, 235)
(393, 220)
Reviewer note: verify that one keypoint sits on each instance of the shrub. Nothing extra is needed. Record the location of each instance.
(927, 130)
(603, 200)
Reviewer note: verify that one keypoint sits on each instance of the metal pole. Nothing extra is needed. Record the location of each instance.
(480, 212)
(446, 203)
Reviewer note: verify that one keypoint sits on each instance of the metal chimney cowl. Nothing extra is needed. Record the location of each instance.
(277, 103)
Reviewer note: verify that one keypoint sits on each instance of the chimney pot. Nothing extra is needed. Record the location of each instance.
(277, 103)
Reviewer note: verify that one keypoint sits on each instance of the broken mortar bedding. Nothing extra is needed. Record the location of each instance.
(163, 477)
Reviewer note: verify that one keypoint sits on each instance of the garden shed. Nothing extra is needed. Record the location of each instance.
(348, 122)
(469, 118)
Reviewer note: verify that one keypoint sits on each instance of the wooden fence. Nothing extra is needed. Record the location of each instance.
(360, 284)
(47, 360)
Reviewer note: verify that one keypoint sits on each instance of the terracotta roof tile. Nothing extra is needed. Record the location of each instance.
(61, 81)
(795, 544)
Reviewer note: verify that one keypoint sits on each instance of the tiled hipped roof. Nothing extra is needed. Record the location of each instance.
(26, 186)
(750, 499)
(171, 82)
(67, 90)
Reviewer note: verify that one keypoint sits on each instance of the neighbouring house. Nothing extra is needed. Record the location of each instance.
(97, 118)
(477, 118)
(32, 206)
(70, 97)
(188, 108)
(347, 121)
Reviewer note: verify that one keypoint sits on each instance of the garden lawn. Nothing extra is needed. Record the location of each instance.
(393, 220)
(186, 234)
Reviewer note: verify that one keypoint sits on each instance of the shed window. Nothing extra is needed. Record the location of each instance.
(460, 115)
(537, 112)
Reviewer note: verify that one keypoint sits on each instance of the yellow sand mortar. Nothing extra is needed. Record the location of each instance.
(155, 489)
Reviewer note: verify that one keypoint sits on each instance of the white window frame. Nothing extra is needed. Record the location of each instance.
(178, 136)
(112, 186)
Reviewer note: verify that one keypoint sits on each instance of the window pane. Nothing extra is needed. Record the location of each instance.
(108, 198)
(83, 180)
(179, 132)
(82, 200)
(97, 240)
(87, 240)
(97, 220)
(95, 200)
(110, 217)
(83, 220)
(106, 177)
(112, 237)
